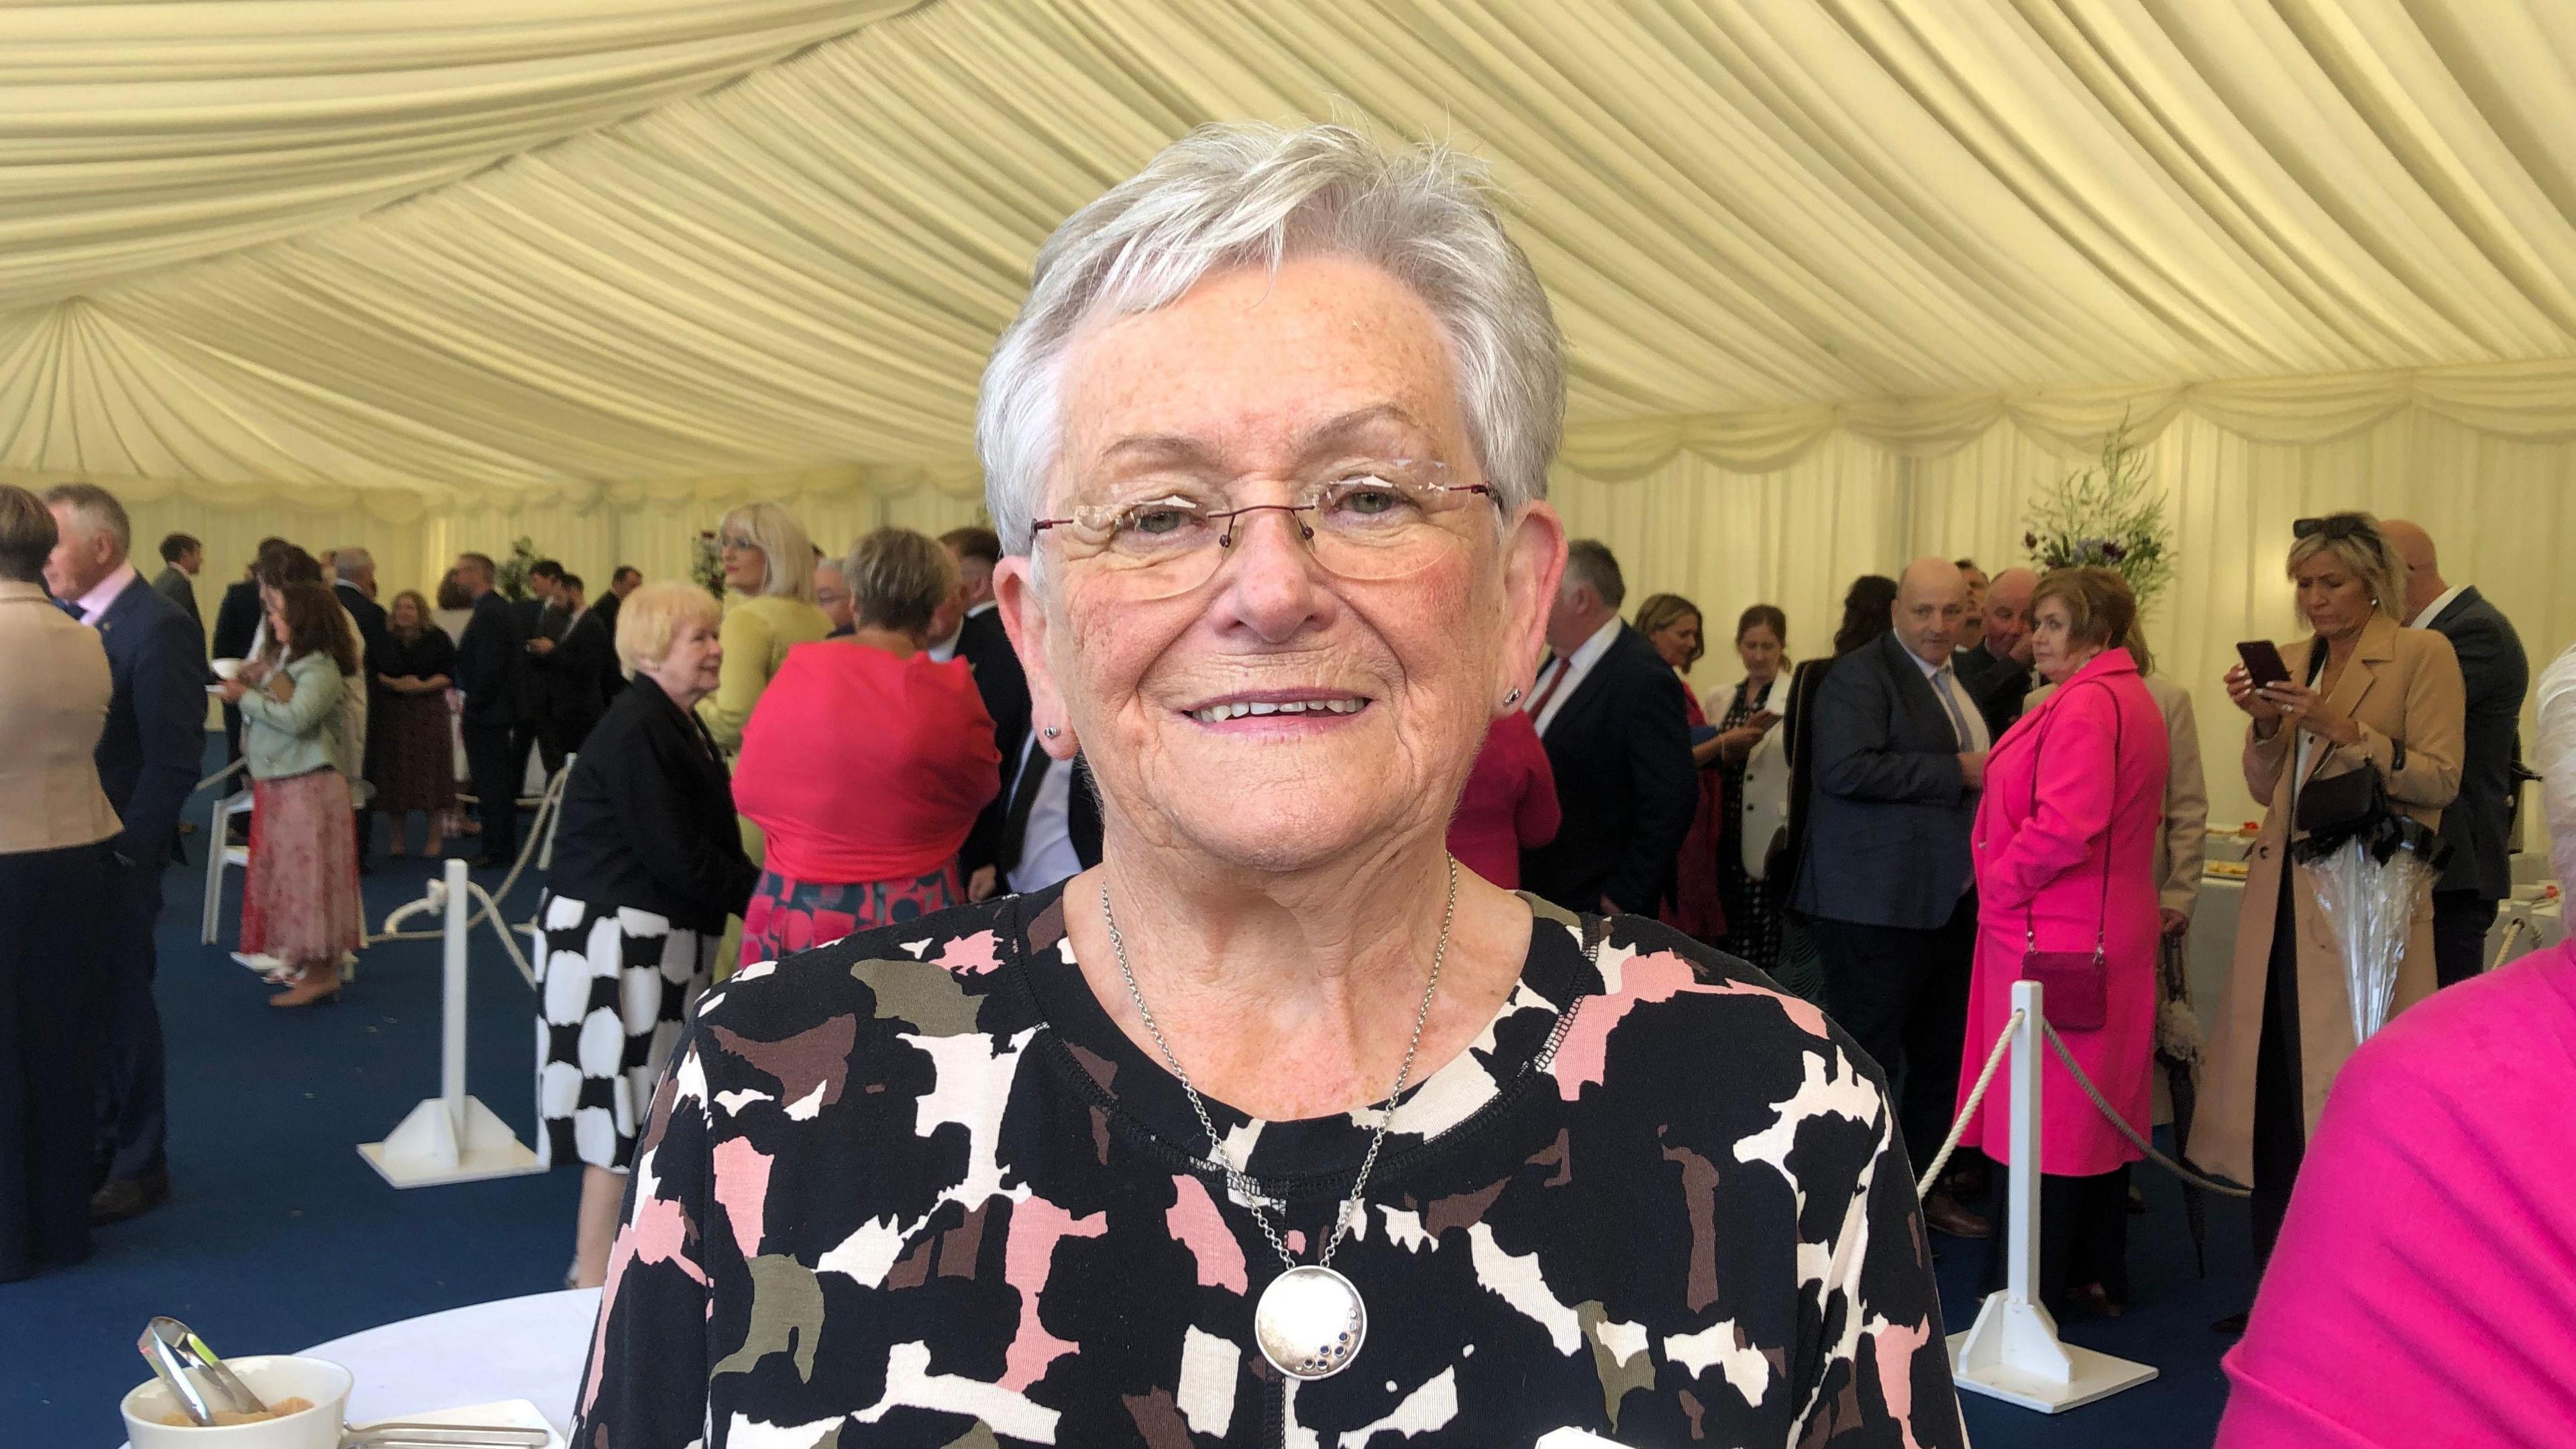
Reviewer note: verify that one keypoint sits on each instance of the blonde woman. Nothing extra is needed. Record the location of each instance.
(2363, 694)
(769, 609)
(647, 866)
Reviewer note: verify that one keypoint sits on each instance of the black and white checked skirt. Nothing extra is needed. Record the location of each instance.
(613, 985)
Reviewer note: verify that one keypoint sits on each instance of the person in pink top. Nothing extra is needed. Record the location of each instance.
(2423, 1293)
(1509, 804)
(865, 762)
(2065, 848)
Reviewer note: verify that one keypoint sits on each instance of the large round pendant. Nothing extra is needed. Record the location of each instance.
(1310, 1322)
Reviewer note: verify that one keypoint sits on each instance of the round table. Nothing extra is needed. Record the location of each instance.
(529, 1348)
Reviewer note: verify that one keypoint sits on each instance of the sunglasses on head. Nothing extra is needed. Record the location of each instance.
(2333, 525)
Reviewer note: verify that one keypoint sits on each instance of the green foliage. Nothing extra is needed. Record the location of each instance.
(706, 565)
(513, 579)
(2107, 515)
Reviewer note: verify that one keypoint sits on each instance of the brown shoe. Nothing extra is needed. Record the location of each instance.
(311, 986)
(1943, 1213)
(120, 1198)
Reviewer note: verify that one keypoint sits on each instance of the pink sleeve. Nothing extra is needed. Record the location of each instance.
(2075, 791)
(2424, 1289)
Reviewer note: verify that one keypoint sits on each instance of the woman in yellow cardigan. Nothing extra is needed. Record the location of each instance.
(769, 608)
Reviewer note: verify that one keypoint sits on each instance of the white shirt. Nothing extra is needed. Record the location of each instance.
(1976, 741)
(1046, 851)
(93, 605)
(2433, 610)
(982, 609)
(943, 650)
(1569, 672)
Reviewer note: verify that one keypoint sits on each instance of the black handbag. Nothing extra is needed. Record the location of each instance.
(2075, 986)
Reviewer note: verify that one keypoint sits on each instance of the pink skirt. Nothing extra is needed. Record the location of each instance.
(300, 894)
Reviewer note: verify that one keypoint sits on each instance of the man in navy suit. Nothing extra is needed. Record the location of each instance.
(2478, 824)
(148, 754)
(1900, 755)
(969, 627)
(1611, 714)
(490, 661)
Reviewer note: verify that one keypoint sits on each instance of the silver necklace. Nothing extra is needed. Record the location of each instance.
(1309, 1321)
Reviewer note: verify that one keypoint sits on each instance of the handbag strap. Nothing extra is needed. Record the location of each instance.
(2102, 917)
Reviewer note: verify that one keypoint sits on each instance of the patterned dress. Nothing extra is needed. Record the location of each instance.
(919, 1189)
(1753, 919)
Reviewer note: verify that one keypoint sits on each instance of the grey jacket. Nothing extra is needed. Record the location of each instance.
(1889, 812)
(2479, 824)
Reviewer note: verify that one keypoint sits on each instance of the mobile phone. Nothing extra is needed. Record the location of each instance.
(2263, 663)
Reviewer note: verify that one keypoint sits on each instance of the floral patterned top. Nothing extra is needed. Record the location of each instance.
(917, 1188)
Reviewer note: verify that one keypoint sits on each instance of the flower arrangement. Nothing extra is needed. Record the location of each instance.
(2107, 515)
(706, 565)
(513, 575)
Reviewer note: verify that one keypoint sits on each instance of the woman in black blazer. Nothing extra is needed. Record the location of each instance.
(648, 863)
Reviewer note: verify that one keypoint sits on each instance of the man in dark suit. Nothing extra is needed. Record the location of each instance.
(181, 557)
(1050, 826)
(626, 580)
(148, 754)
(490, 660)
(539, 616)
(237, 619)
(354, 584)
(2478, 825)
(1996, 669)
(1900, 754)
(969, 627)
(576, 669)
(1611, 714)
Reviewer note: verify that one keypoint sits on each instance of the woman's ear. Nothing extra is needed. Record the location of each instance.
(1533, 566)
(1024, 618)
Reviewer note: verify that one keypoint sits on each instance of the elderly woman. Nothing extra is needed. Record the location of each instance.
(1671, 623)
(769, 609)
(2448, 1128)
(648, 865)
(866, 763)
(2363, 694)
(300, 893)
(2065, 858)
(1276, 1090)
(414, 758)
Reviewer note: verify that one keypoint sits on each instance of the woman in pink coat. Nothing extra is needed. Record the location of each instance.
(2065, 855)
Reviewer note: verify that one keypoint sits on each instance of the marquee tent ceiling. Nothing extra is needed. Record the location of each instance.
(444, 246)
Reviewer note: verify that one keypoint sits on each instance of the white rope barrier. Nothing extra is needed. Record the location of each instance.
(1976, 1099)
(538, 839)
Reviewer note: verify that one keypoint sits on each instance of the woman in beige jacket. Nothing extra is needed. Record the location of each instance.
(57, 831)
(2363, 693)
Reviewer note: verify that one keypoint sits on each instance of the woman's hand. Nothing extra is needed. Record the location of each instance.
(231, 690)
(2309, 710)
(252, 672)
(2242, 693)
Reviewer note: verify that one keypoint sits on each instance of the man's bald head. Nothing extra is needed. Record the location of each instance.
(2423, 568)
(2007, 612)
(1931, 599)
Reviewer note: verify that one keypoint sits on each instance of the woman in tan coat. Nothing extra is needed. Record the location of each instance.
(2363, 693)
(57, 835)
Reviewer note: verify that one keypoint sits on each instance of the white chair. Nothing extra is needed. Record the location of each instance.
(218, 854)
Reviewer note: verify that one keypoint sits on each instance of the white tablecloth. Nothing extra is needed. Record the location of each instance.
(2213, 937)
(529, 1348)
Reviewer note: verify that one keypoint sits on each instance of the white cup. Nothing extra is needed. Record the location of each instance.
(272, 1377)
(227, 668)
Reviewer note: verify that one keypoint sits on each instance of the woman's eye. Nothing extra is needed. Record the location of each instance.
(1159, 520)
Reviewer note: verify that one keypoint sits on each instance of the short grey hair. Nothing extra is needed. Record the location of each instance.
(1590, 561)
(95, 511)
(351, 563)
(1242, 194)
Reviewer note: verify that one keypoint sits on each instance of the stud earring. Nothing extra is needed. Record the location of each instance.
(1511, 699)
(1052, 732)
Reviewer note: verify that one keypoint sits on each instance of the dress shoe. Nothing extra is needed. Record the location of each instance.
(1944, 1214)
(313, 986)
(120, 1198)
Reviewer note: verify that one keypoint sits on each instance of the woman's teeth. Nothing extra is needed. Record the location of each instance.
(1219, 713)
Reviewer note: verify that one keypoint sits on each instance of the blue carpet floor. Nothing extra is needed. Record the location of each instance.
(278, 1235)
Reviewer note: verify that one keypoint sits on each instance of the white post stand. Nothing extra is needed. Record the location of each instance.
(451, 1137)
(2012, 1352)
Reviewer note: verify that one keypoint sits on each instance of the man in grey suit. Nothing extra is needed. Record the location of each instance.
(181, 557)
(2479, 824)
(1886, 883)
